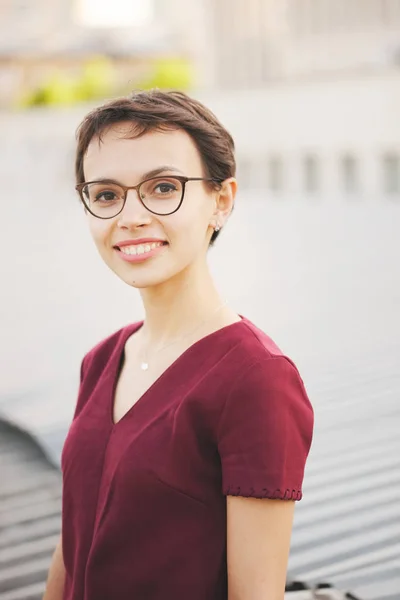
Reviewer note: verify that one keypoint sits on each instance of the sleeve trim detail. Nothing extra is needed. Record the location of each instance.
(277, 494)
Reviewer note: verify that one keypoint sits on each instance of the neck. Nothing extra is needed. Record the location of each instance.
(176, 306)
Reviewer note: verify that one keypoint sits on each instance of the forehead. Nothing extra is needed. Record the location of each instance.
(119, 156)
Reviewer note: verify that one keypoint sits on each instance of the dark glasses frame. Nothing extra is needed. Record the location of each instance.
(80, 186)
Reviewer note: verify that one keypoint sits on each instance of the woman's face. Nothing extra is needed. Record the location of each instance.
(184, 235)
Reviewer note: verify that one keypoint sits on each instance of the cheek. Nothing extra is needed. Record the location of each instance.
(189, 225)
(98, 230)
(184, 233)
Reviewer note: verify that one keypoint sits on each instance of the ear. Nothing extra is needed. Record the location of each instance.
(225, 201)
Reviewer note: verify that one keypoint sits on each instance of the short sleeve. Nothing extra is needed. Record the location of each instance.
(265, 432)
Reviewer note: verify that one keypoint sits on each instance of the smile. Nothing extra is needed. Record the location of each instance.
(138, 249)
(139, 253)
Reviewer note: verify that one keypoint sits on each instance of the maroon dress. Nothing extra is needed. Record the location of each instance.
(144, 507)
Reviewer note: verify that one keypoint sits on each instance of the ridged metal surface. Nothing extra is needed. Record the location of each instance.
(347, 529)
(30, 509)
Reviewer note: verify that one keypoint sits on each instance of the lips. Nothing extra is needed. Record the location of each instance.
(137, 251)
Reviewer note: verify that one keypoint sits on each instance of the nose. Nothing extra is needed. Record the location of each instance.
(134, 213)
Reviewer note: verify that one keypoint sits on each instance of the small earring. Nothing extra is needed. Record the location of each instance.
(217, 227)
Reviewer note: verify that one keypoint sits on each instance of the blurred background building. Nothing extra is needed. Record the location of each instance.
(310, 90)
(321, 76)
(323, 79)
(260, 41)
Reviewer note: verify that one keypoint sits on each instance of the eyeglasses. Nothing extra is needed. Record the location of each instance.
(159, 195)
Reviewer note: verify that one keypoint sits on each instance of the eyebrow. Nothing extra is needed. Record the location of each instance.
(147, 175)
(159, 170)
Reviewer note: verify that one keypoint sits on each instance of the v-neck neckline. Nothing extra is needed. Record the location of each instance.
(120, 353)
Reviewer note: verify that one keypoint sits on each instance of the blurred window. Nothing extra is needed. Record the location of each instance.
(390, 11)
(391, 173)
(319, 15)
(21, 5)
(349, 174)
(296, 14)
(330, 16)
(311, 174)
(119, 13)
(245, 172)
(275, 174)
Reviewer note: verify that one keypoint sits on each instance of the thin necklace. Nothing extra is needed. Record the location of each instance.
(144, 365)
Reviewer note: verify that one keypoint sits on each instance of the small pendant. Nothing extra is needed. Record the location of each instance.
(144, 366)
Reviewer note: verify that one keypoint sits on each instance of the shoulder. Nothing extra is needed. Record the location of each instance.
(259, 341)
(252, 347)
(263, 385)
(260, 379)
(98, 356)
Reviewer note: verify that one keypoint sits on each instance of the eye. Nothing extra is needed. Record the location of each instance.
(165, 187)
(105, 196)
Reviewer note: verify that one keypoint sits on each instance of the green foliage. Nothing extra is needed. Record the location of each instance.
(95, 81)
(169, 73)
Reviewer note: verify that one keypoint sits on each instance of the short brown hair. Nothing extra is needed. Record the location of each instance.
(155, 109)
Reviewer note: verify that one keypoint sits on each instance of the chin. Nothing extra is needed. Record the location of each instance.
(142, 280)
(151, 274)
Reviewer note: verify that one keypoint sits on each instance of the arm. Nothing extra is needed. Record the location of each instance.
(56, 578)
(258, 542)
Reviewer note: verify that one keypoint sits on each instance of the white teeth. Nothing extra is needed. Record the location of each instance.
(137, 250)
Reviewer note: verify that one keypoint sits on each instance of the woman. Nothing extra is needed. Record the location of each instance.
(191, 430)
